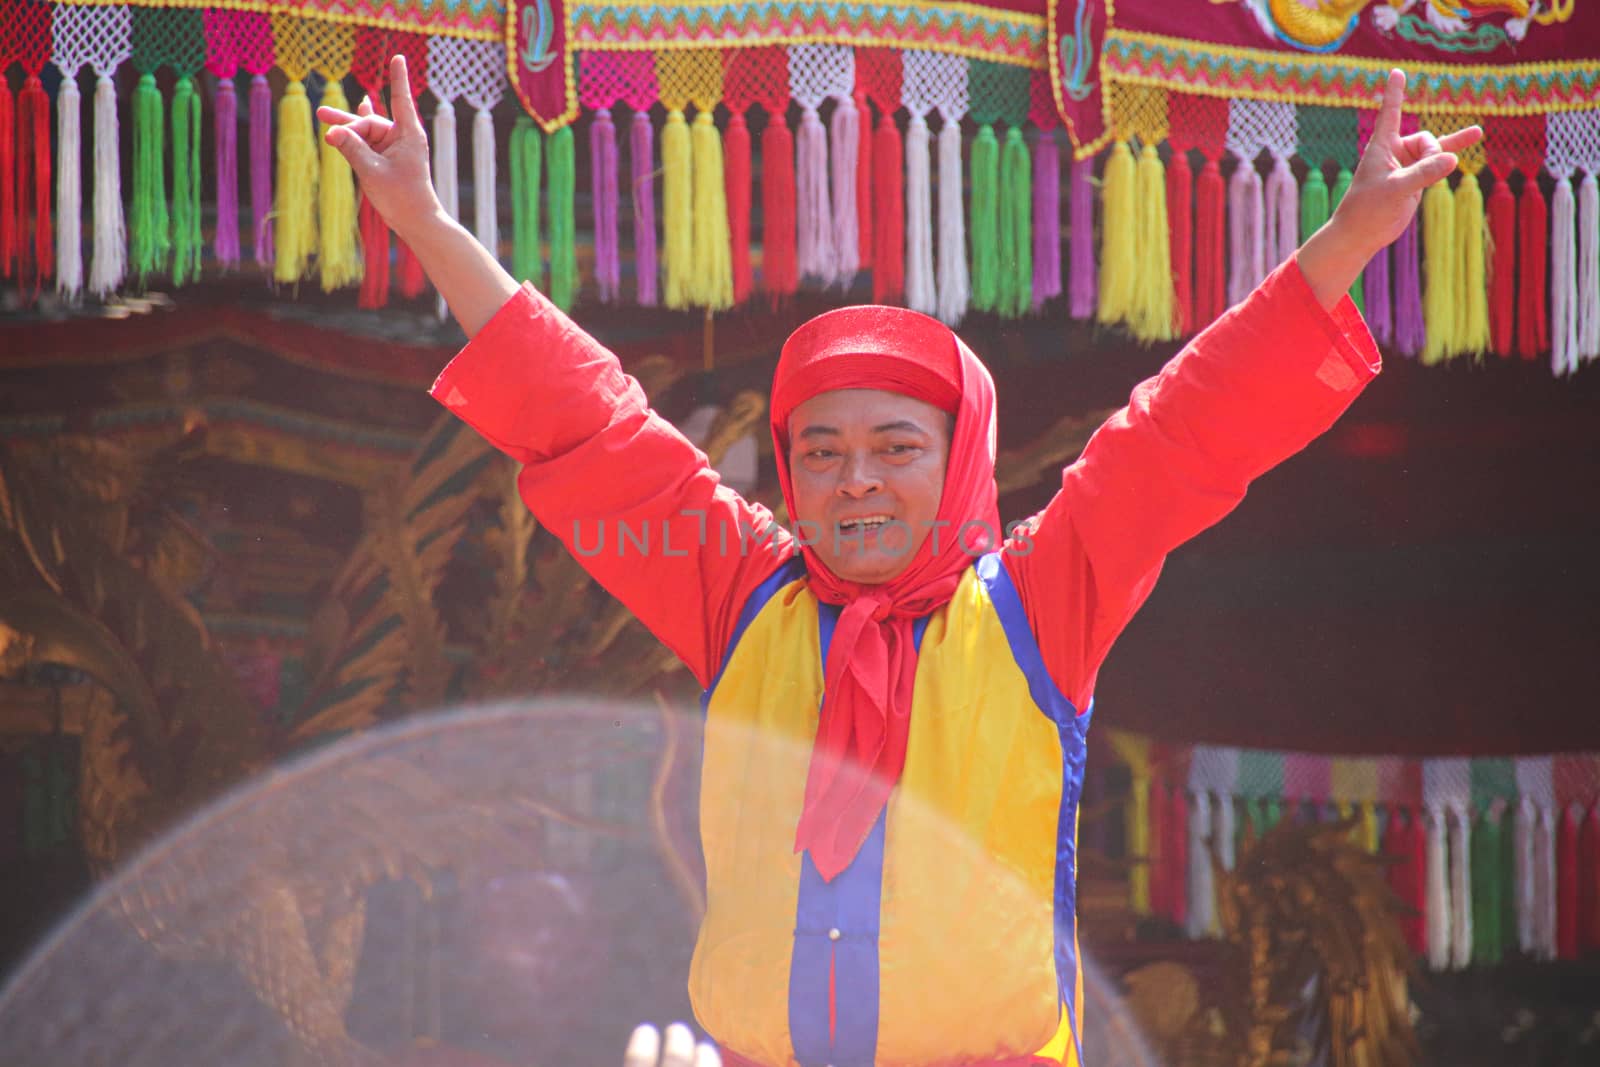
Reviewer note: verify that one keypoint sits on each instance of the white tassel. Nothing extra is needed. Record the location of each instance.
(1202, 894)
(445, 181)
(814, 236)
(1225, 829)
(1563, 280)
(1247, 252)
(483, 177)
(1544, 880)
(69, 190)
(1460, 887)
(844, 148)
(109, 263)
(1525, 902)
(1588, 269)
(1439, 925)
(955, 286)
(920, 293)
(1282, 238)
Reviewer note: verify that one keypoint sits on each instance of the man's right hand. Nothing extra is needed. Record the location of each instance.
(389, 157)
(647, 1049)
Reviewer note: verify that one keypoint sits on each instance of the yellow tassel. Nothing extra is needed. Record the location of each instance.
(1472, 326)
(712, 282)
(1439, 311)
(294, 214)
(340, 258)
(1154, 300)
(676, 193)
(1369, 828)
(1117, 252)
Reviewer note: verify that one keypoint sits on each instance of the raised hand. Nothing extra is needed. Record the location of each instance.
(1395, 170)
(389, 157)
(1383, 196)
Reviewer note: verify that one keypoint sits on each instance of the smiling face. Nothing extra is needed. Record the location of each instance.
(867, 469)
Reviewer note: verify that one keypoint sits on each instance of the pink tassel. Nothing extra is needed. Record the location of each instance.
(261, 169)
(1046, 218)
(814, 241)
(226, 243)
(1083, 291)
(844, 136)
(603, 175)
(642, 157)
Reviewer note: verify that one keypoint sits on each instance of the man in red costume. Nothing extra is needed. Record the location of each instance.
(953, 662)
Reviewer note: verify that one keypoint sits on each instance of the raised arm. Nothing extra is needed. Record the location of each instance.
(635, 501)
(1248, 392)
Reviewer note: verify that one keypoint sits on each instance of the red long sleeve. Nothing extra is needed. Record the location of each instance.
(634, 500)
(1250, 391)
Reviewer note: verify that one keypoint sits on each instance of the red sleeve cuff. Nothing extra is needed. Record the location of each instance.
(1354, 360)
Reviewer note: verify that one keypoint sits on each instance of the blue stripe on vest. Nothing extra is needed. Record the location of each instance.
(791, 569)
(851, 905)
(1073, 729)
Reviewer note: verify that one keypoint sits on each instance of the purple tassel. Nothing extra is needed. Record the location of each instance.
(227, 118)
(261, 168)
(644, 207)
(603, 172)
(1375, 291)
(1409, 332)
(1046, 218)
(1083, 289)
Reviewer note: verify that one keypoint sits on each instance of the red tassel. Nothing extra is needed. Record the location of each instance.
(8, 187)
(1589, 883)
(889, 253)
(1406, 841)
(1180, 181)
(1533, 331)
(1159, 864)
(35, 258)
(736, 177)
(374, 258)
(865, 207)
(1567, 885)
(1502, 268)
(1177, 851)
(1210, 268)
(780, 262)
(412, 278)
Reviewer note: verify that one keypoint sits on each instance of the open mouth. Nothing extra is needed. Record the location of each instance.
(864, 524)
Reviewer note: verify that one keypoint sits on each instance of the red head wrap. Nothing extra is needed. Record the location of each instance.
(866, 712)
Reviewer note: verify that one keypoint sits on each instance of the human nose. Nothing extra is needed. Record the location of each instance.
(858, 476)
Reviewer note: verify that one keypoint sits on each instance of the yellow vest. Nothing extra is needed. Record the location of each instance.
(951, 937)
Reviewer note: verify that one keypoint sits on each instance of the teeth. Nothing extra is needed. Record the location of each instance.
(871, 522)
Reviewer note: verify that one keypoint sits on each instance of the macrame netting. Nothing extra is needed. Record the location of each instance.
(699, 266)
(1455, 297)
(752, 77)
(610, 78)
(473, 71)
(26, 235)
(1331, 135)
(598, 91)
(162, 239)
(72, 45)
(242, 40)
(1515, 145)
(938, 82)
(107, 33)
(1254, 126)
(826, 244)
(1136, 286)
(1199, 123)
(1572, 141)
(1001, 190)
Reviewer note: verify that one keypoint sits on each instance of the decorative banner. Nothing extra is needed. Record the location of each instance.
(539, 61)
(1076, 34)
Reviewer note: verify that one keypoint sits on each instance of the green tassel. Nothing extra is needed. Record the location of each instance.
(983, 231)
(526, 171)
(1271, 812)
(1341, 185)
(1313, 203)
(186, 182)
(147, 218)
(1485, 864)
(1016, 226)
(563, 253)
